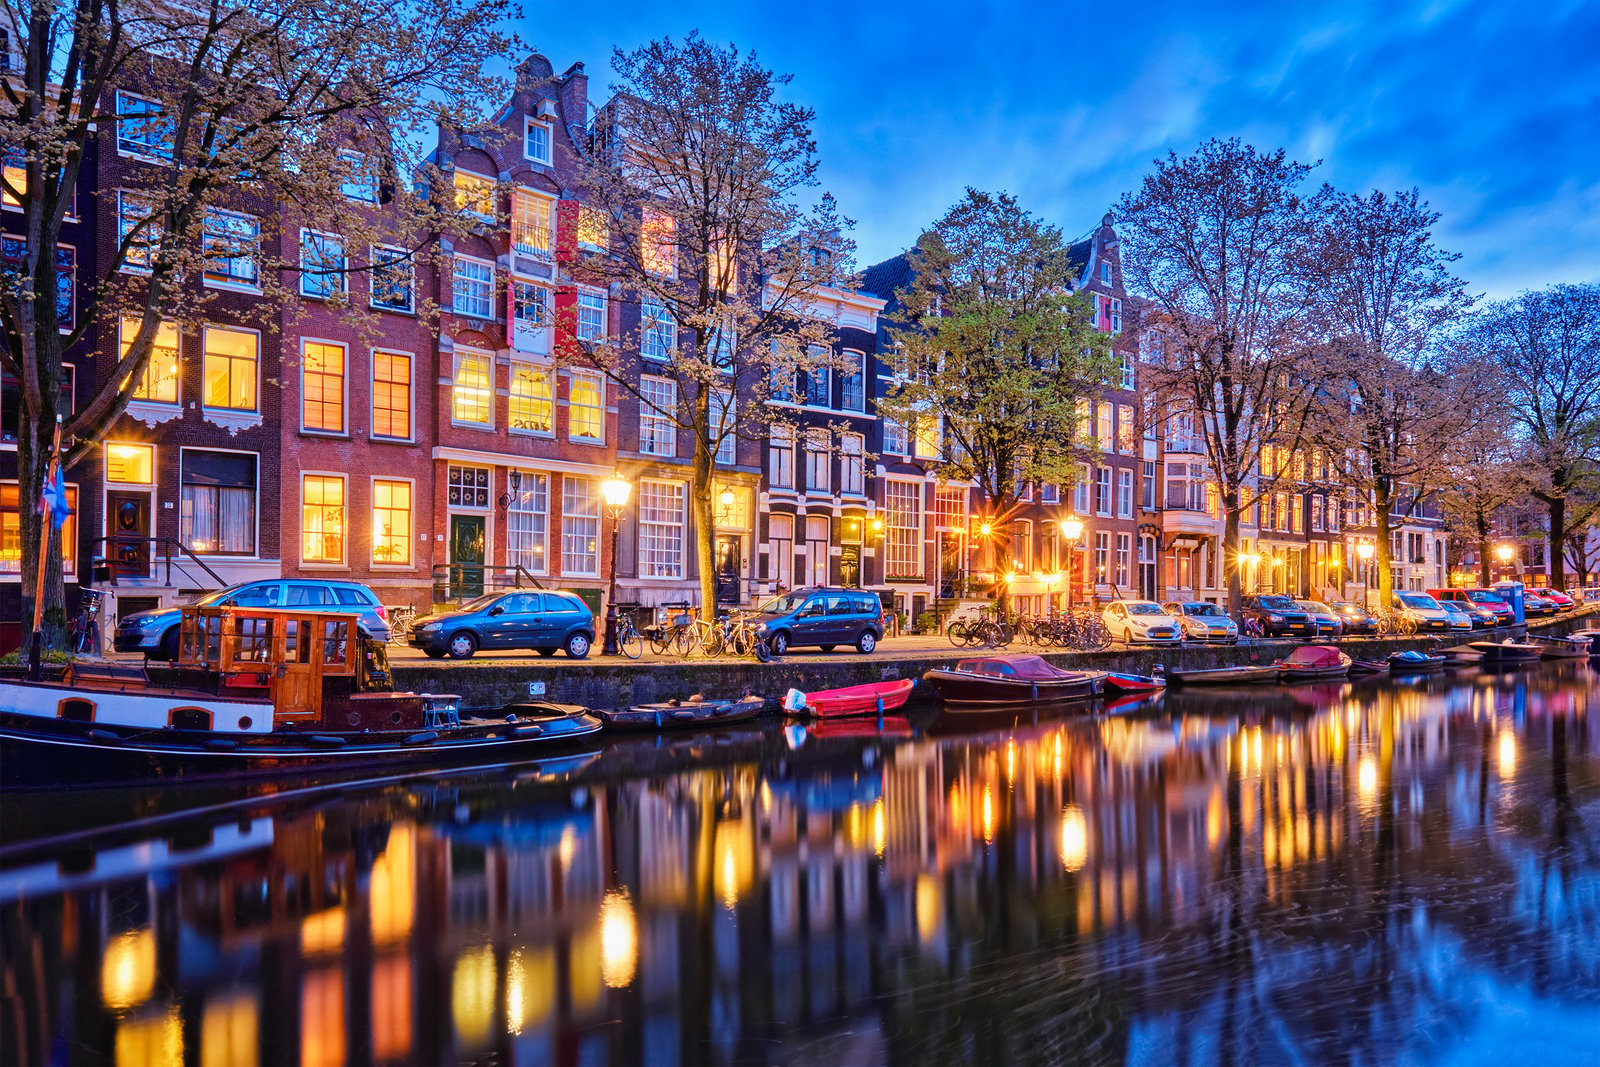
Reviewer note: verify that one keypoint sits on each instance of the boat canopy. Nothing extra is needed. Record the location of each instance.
(1022, 668)
(1314, 656)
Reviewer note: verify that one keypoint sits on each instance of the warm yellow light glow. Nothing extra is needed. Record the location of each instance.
(735, 860)
(1072, 529)
(614, 490)
(1256, 746)
(1011, 761)
(567, 847)
(229, 1030)
(391, 1007)
(1367, 777)
(1058, 761)
(878, 834)
(619, 939)
(929, 907)
(985, 529)
(1074, 838)
(988, 813)
(472, 996)
(128, 970)
(1507, 752)
(322, 1018)
(392, 899)
(322, 932)
(530, 988)
(877, 525)
(1505, 552)
(153, 1041)
(726, 498)
(1364, 550)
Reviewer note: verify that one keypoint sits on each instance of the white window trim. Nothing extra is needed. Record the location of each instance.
(459, 257)
(579, 292)
(235, 451)
(411, 290)
(204, 407)
(488, 357)
(143, 157)
(518, 356)
(411, 395)
(605, 406)
(125, 267)
(644, 330)
(493, 180)
(549, 477)
(350, 155)
(649, 410)
(300, 526)
(233, 287)
(372, 514)
(166, 408)
(548, 325)
(528, 121)
(343, 288)
(155, 459)
(550, 204)
(344, 402)
(861, 363)
(680, 565)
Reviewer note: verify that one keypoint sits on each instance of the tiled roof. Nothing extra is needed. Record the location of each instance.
(882, 279)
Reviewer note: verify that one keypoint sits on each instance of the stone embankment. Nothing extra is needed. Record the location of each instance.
(610, 683)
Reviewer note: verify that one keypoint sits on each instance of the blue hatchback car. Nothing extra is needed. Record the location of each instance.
(545, 620)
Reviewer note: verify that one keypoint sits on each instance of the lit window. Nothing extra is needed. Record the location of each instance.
(391, 395)
(531, 217)
(230, 369)
(586, 407)
(360, 180)
(528, 524)
(1125, 429)
(472, 392)
(902, 509)
(229, 241)
(130, 464)
(138, 230)
(658, 333)
(536, 141)
(158, 382)
(591, 312)
(321, 518)
(472, 288)
(927, 436)
(724, 268)
(658, 405)
(392, 279)
(322, 386)
(531, 401)
(143, 129)
(580, 526)
(1102, 426)
(11, 532)
(594, 229)
(661, 529)
(475, 194)
(658, 243)
(219, 502)
(391, 522)
(13, 161)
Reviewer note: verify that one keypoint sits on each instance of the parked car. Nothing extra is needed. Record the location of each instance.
(1535, 604)
(1140, 621)
(821, 618)
(1461, 617)
(1487, 599)
(1201, 620)
(1356, 619)
(155, 632)
(1277, 615)
(1324, 618)
(543, 620)
(1422, 610)
(1562, 601)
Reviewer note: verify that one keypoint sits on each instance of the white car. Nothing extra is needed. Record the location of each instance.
(1421, 611)
(1140, 621)
(1203, 621)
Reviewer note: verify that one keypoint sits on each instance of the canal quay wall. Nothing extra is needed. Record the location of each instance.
(611, 682)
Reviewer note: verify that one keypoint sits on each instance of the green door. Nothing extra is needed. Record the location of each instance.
(466, 556)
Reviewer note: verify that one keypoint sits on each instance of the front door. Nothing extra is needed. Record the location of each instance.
(466, 556)
(949, 564)
(729, 560)
(1147, 567)
(128, 516)
(294, 684)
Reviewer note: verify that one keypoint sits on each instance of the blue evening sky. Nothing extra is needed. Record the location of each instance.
(1492, 109)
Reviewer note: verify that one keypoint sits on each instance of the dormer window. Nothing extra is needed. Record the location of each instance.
(536, 141)
(1105, 273)
(821, 257)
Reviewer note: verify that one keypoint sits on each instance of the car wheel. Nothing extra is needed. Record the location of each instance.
(779, 643)
(462, 645)
(866, 642)
(827, 648)
(1127, 635)
(169, 645)
(545, 651)
(577, 645)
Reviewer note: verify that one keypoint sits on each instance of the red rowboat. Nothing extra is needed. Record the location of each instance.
(873, 699)
(1134, 683)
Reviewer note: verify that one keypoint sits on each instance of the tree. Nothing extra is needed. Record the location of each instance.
(1217, 242)
(1547, 345)
(698, 171)
(1479, 472)
(993, 348)
(258, 106)
(1383, 295)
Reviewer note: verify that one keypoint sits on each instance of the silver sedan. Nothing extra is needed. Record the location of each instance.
(1203, 621)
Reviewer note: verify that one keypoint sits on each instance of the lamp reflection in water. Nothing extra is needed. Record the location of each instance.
(1367, 777)
(530, 988)
(988, 813)
(878, 832)
(619, 939)
(1074, 838)
(151, 1039)
(230, 1032)
(1507, 753)
(128, 970)
(472, 996)
(929, 907)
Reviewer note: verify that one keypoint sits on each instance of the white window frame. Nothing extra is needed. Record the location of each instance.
(411, 523)
(819, 461)
(226, 282)
(372, 394)
(205, 349)
(344, 399)
(780, 457)
(455, 193)
(896, 437)
(404, 260)
(815, 373)
(664, 557)
(342, 278)
(255, 553)
(123, 341)
(658, 433)
(583, 331)
(152, 232)
(455, 384)
(531, 334)
(516, 554)
(658, 331)
(599, 381)
(457, 306)
(138, 151)
(911, 491)
(860, 377)
(569, 526)
(1124, 493)
(724, 408)
(548, 373)
(521, 196)
(1103, 496)
(528, 123)
(358, 161)
(852, 465)
(1116, 314)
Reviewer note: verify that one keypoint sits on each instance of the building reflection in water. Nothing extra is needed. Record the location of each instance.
(1341, 872)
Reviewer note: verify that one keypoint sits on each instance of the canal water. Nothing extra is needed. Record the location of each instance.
(1386, 871)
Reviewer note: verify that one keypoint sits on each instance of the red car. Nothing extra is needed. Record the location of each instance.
(1483, 598)
(1561, 600)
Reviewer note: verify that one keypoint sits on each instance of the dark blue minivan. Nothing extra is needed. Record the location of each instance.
(545, 621)
(824, 618)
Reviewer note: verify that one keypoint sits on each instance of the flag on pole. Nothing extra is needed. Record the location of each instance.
(53, 499)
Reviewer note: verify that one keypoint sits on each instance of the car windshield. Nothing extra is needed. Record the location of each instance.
(1343, 606)
(1209, 611)
(481, 602)
(1144, 607)
(1277, 602)
(1419, 600)
(217, 596)
(1316, 606)
(1452, 607)
(783, 605)
(1485, 598)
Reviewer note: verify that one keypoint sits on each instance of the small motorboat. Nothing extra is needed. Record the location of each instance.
(696, 711)
(1122, 684)
(1311, 663)
(1591, 636)
(1562, 647)
(1012, 680)
(1243, 674)
(1414, 662)
(872, 699)
(1369, 666)
(1502, 653)
(1461, 655)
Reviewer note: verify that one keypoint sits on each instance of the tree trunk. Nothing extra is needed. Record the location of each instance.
(1557, 534)
(33, 461)
(705, 528)
(1230, 554)
(1484, 577)
(1381, 494)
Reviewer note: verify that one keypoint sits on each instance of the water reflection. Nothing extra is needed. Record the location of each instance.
(1333, 873)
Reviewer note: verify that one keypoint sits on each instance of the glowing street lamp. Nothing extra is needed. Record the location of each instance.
(1071, 530)
(614, 491)
(1505, 552)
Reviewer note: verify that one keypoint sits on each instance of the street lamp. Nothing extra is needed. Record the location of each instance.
(614, 491)
(1505, 552)
(1071, 530)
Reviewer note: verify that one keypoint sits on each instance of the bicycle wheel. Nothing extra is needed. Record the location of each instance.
(632, 644)
(1407, 625)
(956, 631)
(1095, 636)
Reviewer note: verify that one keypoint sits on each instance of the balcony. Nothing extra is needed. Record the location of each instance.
(1191, 521)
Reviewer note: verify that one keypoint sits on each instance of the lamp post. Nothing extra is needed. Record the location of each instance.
(1365, 550)
(1071, 530)
(614, 491)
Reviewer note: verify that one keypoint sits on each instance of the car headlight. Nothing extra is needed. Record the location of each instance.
(149, 623)
(427, 627)
(1274, 618)
(761, 628)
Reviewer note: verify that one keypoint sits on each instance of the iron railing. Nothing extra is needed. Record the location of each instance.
(120, 553)
(455, 582)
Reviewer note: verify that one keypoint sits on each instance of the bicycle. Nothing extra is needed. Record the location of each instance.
(400, 622)
(85, 626)
(629, 640)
